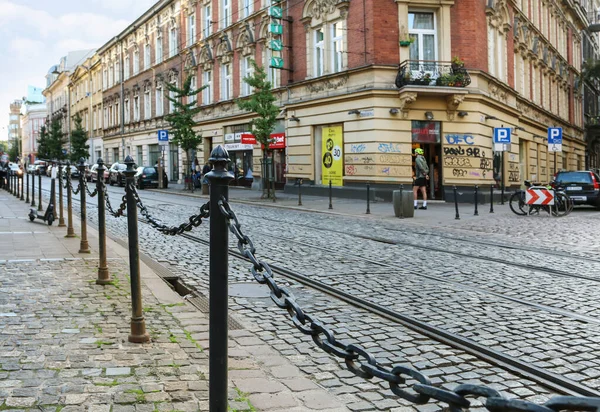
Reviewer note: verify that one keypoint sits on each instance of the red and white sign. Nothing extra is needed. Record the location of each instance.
(277, 143)
(539, 197)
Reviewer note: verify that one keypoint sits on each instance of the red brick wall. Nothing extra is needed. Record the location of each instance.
(469, 33)
(382, 33)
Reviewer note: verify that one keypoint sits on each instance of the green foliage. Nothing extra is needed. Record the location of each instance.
(79, 148)
(182, 118)
(55, 141)
(43, 142)
(261, 103)
(15, 149)
(590, 70)
(2, 147)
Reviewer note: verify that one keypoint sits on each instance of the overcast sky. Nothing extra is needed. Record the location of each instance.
(35, 34)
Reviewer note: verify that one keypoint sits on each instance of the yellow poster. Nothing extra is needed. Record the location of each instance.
(333, 159)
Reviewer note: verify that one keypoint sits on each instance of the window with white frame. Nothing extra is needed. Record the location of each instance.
(207, 92)
(226, 81)
(319, 47)
(117, 114)
(423, 33)
(147, 60)
(159, 100)
(191, 30)
(172, 42)
(172, 95)
(226, 15)
(111, 76)
(337, 47)
(159, 47)
(105, 116)
(136, 108)
(247, 8)
(126, 68)
(193, 87)
(246, 71)
(117, 73)
(136, 62)
(105, 79)
(127, 109)
(147, 104)
(207, 21)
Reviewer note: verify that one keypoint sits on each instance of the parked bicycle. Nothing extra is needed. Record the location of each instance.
(563, 205)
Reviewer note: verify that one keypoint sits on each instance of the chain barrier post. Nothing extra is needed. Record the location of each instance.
(401, 203)
(457, 217)
(138, 323)
(33, 190)
(61, 218)
(476, 200)
(70, 231)
(27, 189)
(22, 179)
(53, 187)
(84, 246)
(40, 192)
(17, 186)
(368, 198)
(11, 183)
(103, 275)
(299, 192)
(218, 179)
(330, 205)
(491, 198)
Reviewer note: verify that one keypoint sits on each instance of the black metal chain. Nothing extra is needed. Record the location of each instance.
(363, 364)
(73, 190)
(194, 221)
(87, 189)
(121, 210)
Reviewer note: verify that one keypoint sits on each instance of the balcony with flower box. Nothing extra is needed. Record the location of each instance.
(432, 73)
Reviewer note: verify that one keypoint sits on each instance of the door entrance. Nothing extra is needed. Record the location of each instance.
(426, 135)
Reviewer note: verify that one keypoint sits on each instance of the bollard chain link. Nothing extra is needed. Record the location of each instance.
(194, 221)
(121, 210)
(87, 189)
(75, 191)
(363, 364)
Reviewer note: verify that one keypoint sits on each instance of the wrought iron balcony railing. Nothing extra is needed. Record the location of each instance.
(592, 121)
(432, 73)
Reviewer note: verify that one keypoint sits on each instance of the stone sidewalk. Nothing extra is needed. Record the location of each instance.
(63, 339)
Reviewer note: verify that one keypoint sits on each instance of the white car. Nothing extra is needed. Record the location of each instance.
(15, 169)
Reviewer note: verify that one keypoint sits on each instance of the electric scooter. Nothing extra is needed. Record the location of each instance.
(48, 216)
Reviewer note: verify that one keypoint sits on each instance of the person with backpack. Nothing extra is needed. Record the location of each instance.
(420, 178)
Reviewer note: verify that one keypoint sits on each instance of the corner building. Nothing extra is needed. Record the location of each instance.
(378, 77)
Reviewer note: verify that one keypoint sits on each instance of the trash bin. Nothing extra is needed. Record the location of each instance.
(403, 204)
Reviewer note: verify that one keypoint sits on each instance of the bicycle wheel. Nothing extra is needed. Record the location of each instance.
(562, 205)
(517, 202)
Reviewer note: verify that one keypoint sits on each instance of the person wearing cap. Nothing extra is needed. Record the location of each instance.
(420, 179)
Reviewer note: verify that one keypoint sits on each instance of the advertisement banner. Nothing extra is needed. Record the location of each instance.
(277, 143)
(332, 164)
(248, 138)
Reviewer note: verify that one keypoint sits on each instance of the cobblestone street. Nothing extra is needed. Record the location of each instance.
(492, 280)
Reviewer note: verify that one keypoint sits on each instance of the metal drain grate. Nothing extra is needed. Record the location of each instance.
(201, 302)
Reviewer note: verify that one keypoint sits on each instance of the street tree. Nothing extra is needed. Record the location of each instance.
(43, 144)
(79, 137)
(15, 150)
(2, 147)
(56, 140)
(262, 102)
(182, 121)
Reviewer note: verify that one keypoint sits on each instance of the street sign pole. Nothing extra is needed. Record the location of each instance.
(163, 142)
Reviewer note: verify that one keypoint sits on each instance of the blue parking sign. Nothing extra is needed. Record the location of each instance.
(502, 135)
(555, 135)
(163, 135)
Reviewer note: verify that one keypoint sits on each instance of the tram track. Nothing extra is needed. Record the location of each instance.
(543, 377)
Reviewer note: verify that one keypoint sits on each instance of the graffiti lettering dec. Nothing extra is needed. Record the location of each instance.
(485, 164)
(459, 139)
(389, 147)
(513, 176)
(350, 170)
(359, 159)
(395, 159)
(454, 151)
(457, 161)
(459, 172)
(358, 148)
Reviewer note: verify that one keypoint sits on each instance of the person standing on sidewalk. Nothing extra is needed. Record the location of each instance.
(420, 179)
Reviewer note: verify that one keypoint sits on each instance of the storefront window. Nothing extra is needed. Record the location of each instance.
(425, 132)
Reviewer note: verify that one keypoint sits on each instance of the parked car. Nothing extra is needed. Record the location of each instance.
(115, 174)
(49, 170)
(94, 173)
(14, 169)
(40, 167)
(74, 171)
(30, 169)
(583, 187)
(146, 176)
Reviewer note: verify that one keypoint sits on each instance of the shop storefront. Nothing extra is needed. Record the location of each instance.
(427, 136)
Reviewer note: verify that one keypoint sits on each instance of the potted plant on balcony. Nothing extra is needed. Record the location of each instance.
(457, 63)
(406, 41)
(424, 79)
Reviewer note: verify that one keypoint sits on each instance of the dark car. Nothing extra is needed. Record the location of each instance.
(146, 176)
(583, 187)
(73, 169)
(115, 174)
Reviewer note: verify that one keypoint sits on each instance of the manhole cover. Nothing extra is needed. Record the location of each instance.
(249, 290)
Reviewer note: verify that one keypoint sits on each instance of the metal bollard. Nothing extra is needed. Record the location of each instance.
(138, 323)
(84, 247)
(33, 190)
(11, 184)
(18, 184)
(103, 275)
(27, 189)
(457, 217)
(40, 192)
(218, 179)
(330, 204)
(23, 186)
(491, 198)
(61, 218)
(401, 203)
(476, 200)
(70, 231)
(368, 198)
(299, 192)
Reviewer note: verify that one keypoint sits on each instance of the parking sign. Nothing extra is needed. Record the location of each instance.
(555, 139)
(501, 139)
(163, 137)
